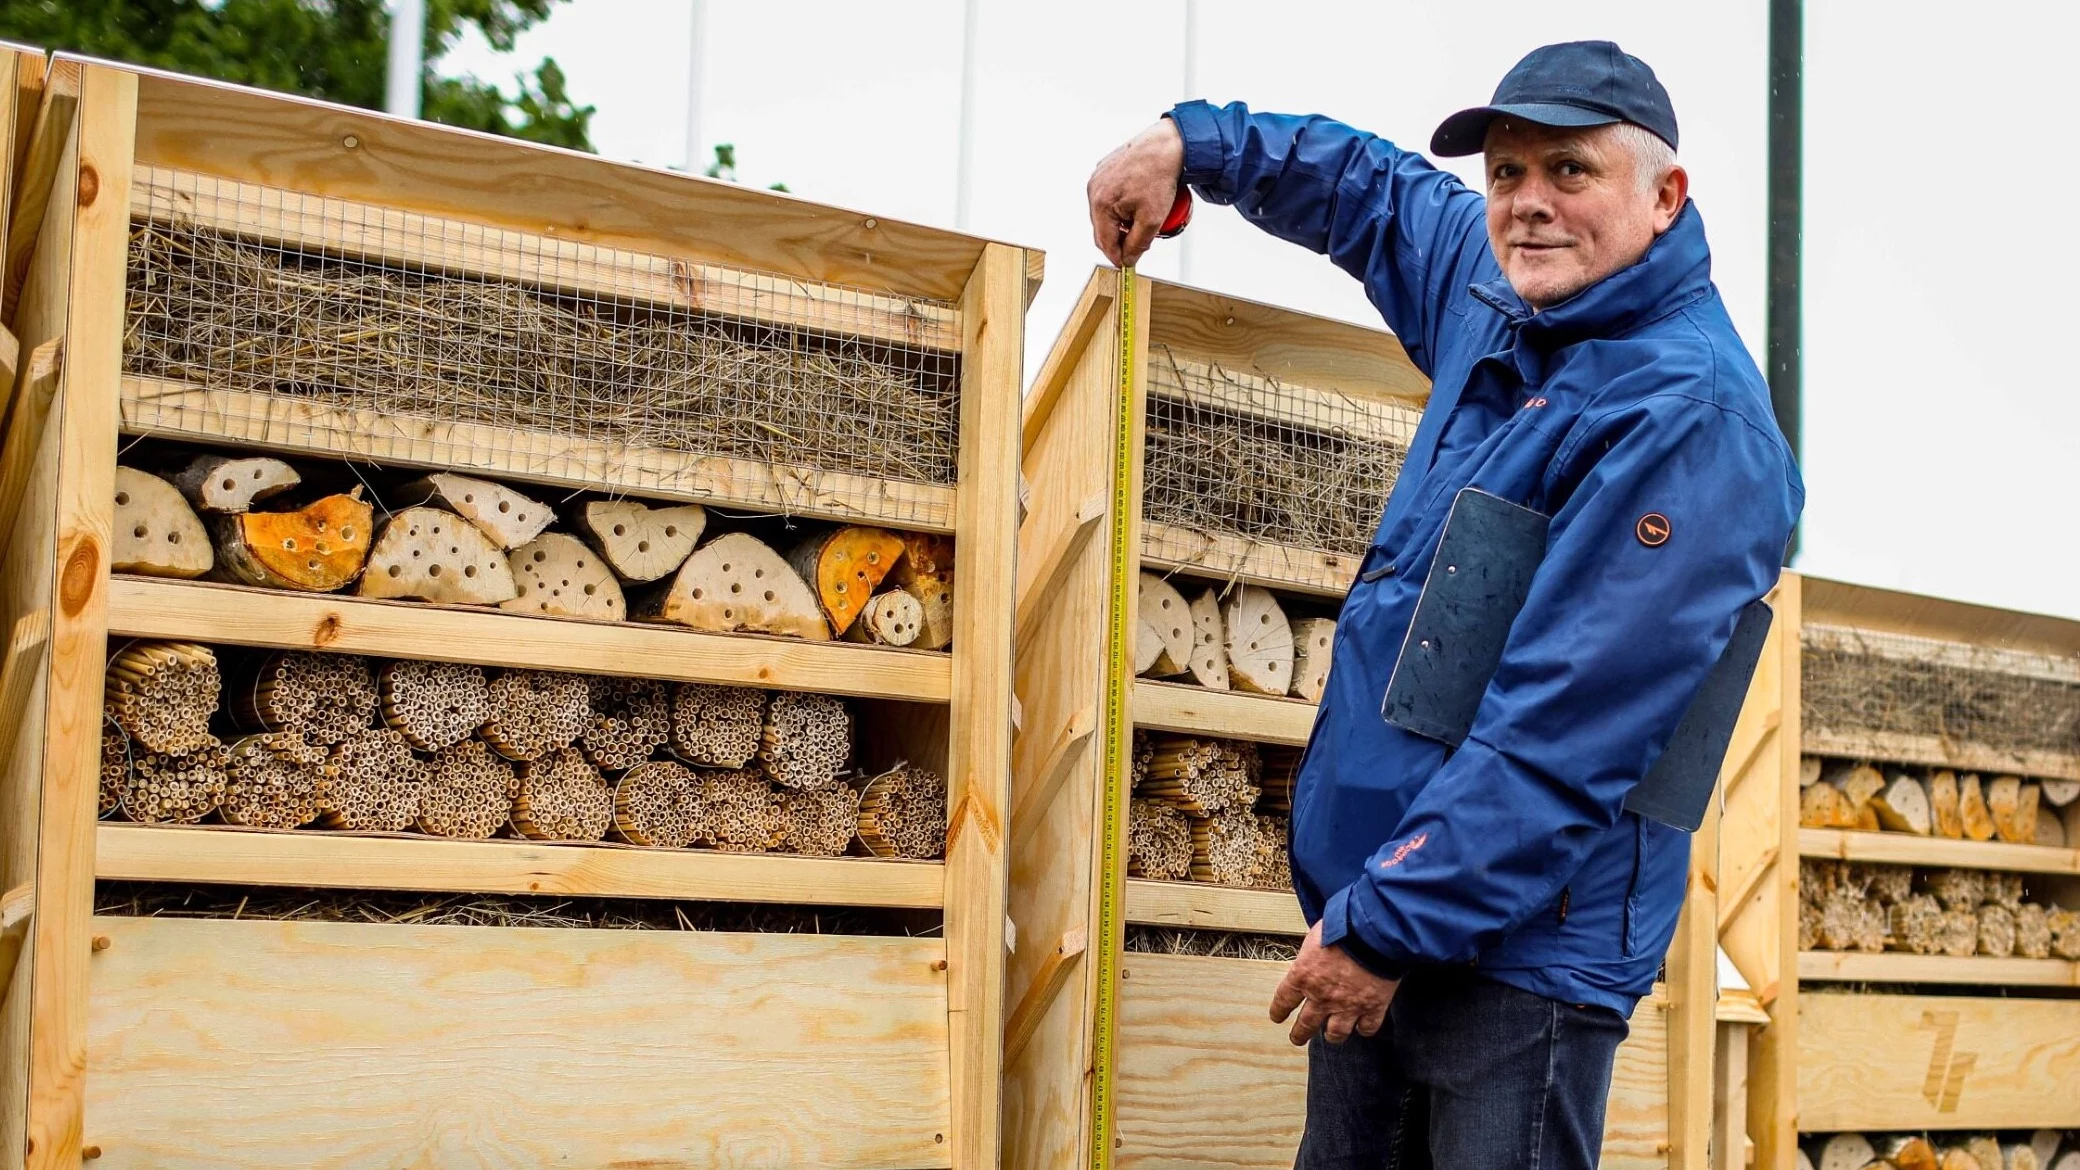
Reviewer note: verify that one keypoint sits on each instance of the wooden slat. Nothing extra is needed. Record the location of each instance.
(1896, 967)
(336, 1045)
(1284, 344)
(1285, 404)
(1914, 1063)
(294, 426)
(1692, 974)
(1208, 907)
(157, 853)
(240, 616)
(1093, 308)
(1838, 603)
(1190, 710)
(36, 176)
(1907, 849)
(1937, 752)
(1259, 562)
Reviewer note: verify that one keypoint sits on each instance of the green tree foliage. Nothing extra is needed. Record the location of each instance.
(330, 49)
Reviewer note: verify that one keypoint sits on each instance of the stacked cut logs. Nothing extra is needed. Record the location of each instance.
(1938, 802)
(1243, 642)
(1953, 912)
(902, 813)
(2044, 1149)
(1195, 813)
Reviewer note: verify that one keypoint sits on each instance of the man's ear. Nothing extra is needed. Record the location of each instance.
(1669, 196)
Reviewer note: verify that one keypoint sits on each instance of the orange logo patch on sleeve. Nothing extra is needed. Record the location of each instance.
(1652, 530)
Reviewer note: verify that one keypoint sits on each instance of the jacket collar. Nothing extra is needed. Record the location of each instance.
(1676, 270)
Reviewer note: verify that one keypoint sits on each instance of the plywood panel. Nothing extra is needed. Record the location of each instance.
(226, 1044)
(1904, 1062)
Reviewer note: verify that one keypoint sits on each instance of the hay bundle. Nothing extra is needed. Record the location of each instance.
(469, 792)
(1228, 849)
(806, 739)
(819, 822)
(272, 781)
(562, 798)
(327, 698)
(631, 718)
(742, 812)
(902, 813)
(176, 790)
(1861, 681)
(535, 713)
(658, 803)
(434, 704)
(1203, 776)
(162, 694)
(375, 785)
(716, 726)
(1159, 840)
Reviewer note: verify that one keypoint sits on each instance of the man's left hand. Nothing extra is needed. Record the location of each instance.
(1336, 996)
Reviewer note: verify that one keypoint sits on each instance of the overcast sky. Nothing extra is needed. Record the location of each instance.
(1942, 431)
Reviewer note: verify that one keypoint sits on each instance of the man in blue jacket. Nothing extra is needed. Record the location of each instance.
(1495, 900)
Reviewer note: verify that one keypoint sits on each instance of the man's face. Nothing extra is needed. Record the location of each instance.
(1566, 207)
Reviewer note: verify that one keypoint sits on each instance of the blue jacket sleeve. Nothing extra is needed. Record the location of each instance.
(1414, 235)
(1612, 644)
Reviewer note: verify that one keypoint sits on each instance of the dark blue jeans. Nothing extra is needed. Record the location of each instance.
(1468, 1074)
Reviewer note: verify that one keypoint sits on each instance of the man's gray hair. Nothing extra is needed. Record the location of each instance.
(1652, 158)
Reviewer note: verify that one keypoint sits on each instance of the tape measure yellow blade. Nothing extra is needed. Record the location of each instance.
(1112, 864)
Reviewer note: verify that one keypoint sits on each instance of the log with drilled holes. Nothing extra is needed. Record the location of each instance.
(642, 543)
(317, 549)
(375, 785)
(469, 792)
(1202, 776)
(505, 517)
(273, 780)
(1908, 1152)
(155, 532)
(631, 718)
(434, 704)
(1209, 642)
(1942, 804)
(735, 583)
(426, 554)
(740, 811)
(819, 822)
(1972, 810)
(925, 571)
(536, 712)
(1902, 805)
(1822, 806)
(717, 726)
(843, 567)
(1260, 642)
(176, 790)
(1163, 631)
(2013, 805)
(562, 798)
(806, 739)
(163, 693)
(557, 575)
(902, 813)
(325, 697)
(1809, 769)
(1228, 849)
(115, 769)
(892, 618)
(1858, 782)
(1159, 840)
(1313, 640)
(226, 486)
(1843, 1151)
(659, 804)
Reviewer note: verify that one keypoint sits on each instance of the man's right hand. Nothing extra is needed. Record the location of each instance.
(1132, 190)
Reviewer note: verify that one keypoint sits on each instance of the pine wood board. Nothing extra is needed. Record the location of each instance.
(260, 1044)
(1898, 967)
(1356, 360)
(1838, 603)
(216, 854)
(243, 616)
(1938, 752)
(1907, 849)
(1292, 405)
(1194, 710)
(1259, 562)
(1208, 907)
(1900, 1062)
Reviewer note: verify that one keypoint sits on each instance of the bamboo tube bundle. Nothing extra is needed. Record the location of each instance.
(1280, 769)
(1203, 776)
(535, 713)
(659, 804)
(163, 694)
(1889, 883)
(1956, 889)
(1958, 934)
(1915, 923)
(1227, 849)
(469, 792)
(329, 698)
(375, 785)
(1275, 864)
(717, 726)
(562, 798)
(902, 813)
(1996, 930)
(272, 782)
(2032, 931)
(819, 822)
(631, 718)
(1159, 840)
(742, 811)
(2064, 926)
(176, 790)
(115, 767)
(806, 739)
(434, 704)
(1137, 762)
(2004, 888)
(1808, 925)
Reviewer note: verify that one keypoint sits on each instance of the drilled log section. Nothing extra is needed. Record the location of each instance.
(1228, 849)
(562, 798)
(434, 704)
(925, 571)
(317, 548)
(891, 618)
(1908, 1152)
(717, 726)
(1972, 809)
(2060, 793)
(226, 486)
(1843, 1151)
(272, 781)
(1809, 769)
(1313, 640)
(536, 712)
(642, 543)
(1944, 814)
(736, 583)
(843, 567)
(1203, 777)
(1163, 629)
(659, 804)
(156, 533)
(325, 697)
(819, 822)
(2013, 805)
(426, 554)
(115, 768)
(1260, 642)
(741, 812)
(558, 575)
(1159, 840)
(375, 785)
(170, 790)
(163, 693)
(902, 813)
(469, 792)
(806, 739)
(1822, 806)
(1280, 768)
(505, 517)
(631, 718)
(1902, 805)
(1857, 782)
(1209, 642)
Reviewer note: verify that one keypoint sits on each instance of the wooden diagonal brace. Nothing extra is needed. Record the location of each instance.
(1054, 566)
(1062, 756)
(1040, 994)
(37, 174)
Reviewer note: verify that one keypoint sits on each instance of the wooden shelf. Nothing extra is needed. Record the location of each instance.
(1207, 907)
(1191, 710)
(1934, 751)
(159, 853)
(1907, 849)
(1259, 562)
(192, 611)
(1855, 967)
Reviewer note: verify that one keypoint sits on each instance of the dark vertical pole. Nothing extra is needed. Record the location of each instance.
(1786, 143)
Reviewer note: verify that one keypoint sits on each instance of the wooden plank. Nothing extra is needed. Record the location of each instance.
(1938, 752)
(321, 225)
(979, 769)
(21, 92)
(1907, 849)
(1286, 404)
(1902, 1062)
(1899, 967)
(142, 607)
(1036, 793)
(1093, 307)
(17, 907)
(217, 854)
(1730, 1095)
(1036, 587)
(1190, 710)
(335, 1045)
(181, 410)
(1693, 981)
(1209, 907)
(30, 410)
(36, 175)
(1259, 562)
(1838, 603)
(1284, 344)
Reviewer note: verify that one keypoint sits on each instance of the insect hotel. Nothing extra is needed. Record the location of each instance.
(508, 652)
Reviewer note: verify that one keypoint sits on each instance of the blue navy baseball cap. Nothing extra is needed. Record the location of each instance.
(1580, 83)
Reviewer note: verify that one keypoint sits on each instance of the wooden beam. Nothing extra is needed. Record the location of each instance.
(1937, 751)
(1693, 982)
(159, 853)
(1278, 342)
(1092, 312)
(1208, 907)
(1054, 974)
(1730, 1095)
(16, 909)
(1837, 603)
(1062, 757)
(1764, 943)
(1259, 562)
(1285, 404)
(1906, 849)
(1047, 576)
(1899, 967)
(1191, 710)
(36, 174)
(21, 92)
(30, 408)
(1764, 864)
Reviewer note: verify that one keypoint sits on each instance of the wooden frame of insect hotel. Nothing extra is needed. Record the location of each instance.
(1263, 444)
(424, 545)
(1900, 878)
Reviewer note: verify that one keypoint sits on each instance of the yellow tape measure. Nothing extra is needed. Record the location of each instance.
(1112, 862)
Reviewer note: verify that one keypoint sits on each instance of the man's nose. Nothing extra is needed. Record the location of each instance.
(1532, 200)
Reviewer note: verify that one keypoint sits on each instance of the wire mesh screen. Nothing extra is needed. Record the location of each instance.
(1250, 456)
(504, 337)
(1869, 683)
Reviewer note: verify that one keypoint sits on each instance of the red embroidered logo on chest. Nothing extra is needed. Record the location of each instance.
(1534, 403)
(1407, 847)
